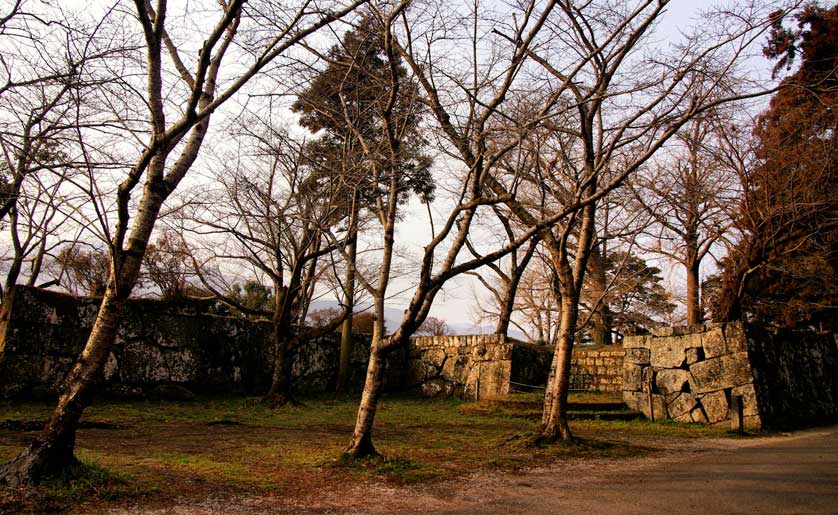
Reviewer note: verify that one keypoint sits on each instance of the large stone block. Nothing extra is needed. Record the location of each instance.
(435, 388)
(694, 355)
(682, 404)
(715, 406)
(724, 339)
(714, 343)
(735, 336)
(670, 351)
(636, 401)
(435, 356)
(638, 356)
(658, 408)
(635, 377)
(672, 380)
(663, 331)
(698, 416)
(637, 342)
(721, 372)
(749, 399)
(455, 368)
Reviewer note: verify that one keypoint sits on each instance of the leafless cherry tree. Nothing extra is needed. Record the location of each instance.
(615, 110)
(184, 86)
(690, 195)
(48, 69)
(270, 212)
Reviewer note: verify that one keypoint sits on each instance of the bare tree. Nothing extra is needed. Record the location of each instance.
(175, 135)
(504, 282)
(690, 195)
(47, 72)
(469, 134)
(270, 213)
(433, 326)
(617, 110)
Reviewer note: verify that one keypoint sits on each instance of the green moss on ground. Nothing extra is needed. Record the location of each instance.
(164, 450)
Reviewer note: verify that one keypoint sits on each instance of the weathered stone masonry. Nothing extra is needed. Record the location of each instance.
(164, 351)
(691, 374)
(598, 370)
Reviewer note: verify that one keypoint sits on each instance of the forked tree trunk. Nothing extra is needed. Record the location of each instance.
(505, 315)
(508, 301)
(52, 450)
(554, 420)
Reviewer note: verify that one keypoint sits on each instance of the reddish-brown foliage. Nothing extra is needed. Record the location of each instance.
(784, 270)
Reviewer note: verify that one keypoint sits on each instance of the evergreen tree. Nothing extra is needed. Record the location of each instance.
(784, 270)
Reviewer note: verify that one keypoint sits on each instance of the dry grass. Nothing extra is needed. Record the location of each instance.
(159, 451)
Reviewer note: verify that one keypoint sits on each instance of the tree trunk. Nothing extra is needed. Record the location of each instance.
(694, 315)
(346, 326)
(554, 417)
(601, 316)
(361, 444)
(279, 393)
(5, 315)
(570, 282)
(52, 451)
(506, 308)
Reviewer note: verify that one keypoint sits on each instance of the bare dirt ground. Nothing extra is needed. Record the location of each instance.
(788, 474)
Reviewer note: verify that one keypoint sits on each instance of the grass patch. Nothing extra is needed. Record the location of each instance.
(87, 481)
(394, 469)
(167, 450)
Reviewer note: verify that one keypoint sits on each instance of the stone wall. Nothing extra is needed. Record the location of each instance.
(158, 347)
(795, 375)
(530, 364)
(597, 370)
(163, 350)
(467, 367)
(691, 374)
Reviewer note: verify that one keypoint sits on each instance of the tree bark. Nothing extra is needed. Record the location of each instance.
(346, 326)
(694, 315)
(279, 392)
(5, 315)
(554, 418)
(52, 451)
(554, 423)
(361, 444)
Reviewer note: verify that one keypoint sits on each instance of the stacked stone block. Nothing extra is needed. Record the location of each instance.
(783, 377)
(597, 370)
(690, 374)
(469, 367)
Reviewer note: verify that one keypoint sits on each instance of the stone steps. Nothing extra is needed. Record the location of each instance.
(527, 407)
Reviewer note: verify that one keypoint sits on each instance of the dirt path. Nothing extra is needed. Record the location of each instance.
(792, 474)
